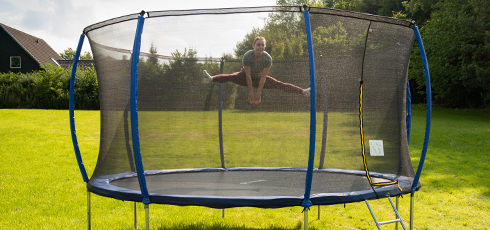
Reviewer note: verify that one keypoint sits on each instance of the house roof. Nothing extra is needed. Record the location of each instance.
(36, 47)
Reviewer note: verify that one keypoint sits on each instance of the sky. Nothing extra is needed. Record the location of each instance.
(61, 22)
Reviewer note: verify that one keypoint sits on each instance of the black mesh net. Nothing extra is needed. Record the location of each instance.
(179, 115)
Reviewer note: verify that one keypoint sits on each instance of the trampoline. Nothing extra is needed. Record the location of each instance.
(168, 138)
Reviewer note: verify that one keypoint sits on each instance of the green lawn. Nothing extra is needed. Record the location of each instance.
(41, 186)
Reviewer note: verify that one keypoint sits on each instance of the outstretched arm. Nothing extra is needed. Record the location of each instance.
(248, 74)
(262, 75)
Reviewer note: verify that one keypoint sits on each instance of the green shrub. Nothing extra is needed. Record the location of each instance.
(51, 88)
(87, 89)
(48, 89)
(16, 90)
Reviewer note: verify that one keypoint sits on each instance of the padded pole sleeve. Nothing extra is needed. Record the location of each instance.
(418, 38)
(311, 158)
(409, 111)
(72, 109)
(220, 116)
(134, 111)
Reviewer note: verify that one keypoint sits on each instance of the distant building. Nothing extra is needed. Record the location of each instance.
(68, 64)
(21, 52)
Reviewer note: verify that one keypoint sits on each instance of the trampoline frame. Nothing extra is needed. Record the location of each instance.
(102, 186)
(306, 203)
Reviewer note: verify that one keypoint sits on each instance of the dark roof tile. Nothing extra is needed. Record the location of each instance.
(37, 47)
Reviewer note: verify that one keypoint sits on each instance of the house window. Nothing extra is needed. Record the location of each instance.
(14, 62)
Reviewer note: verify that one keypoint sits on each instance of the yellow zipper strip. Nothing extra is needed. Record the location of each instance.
(363, 146)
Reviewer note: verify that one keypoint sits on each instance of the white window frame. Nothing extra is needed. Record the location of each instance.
(20, 62)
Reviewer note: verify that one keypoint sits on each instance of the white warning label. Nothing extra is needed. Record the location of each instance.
(376, 148)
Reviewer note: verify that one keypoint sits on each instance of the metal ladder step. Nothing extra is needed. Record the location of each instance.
(378, 224)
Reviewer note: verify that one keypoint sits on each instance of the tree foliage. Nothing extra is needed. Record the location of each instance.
(418, 10)
(457, 42)
(456, 37)
(164, 80)
(455, 33)
(286, 36)
(69, 54)
(379, 7)
(48, 89)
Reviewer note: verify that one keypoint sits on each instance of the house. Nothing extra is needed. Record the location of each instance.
(68, 64)
(21, 52)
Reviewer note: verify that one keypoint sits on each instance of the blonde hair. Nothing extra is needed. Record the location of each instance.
(258, 38)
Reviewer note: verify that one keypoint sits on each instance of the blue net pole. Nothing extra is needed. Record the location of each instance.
(220, 115)
(409, 112)
(72, 109)
(134, 111)
(311, 158)
(418, 38)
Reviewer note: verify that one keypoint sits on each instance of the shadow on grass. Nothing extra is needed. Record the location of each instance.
(457, 155)
(221, 226)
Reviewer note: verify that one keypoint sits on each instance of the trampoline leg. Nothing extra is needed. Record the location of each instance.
(306, 218)
(412, 201)
(397, 207)
(223, 214)
(89, 225)
(318, 212)
(147, 212)
(135, 217)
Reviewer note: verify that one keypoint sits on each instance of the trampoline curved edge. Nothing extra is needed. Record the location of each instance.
(102, 186)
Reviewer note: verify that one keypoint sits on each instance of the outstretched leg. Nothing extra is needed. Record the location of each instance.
(240, 78)
(272, 83)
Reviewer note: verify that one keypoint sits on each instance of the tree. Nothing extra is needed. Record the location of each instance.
(285, 35)
(153, 59)
(335, 38)
(457, 42)
(379, 7)
(417, 10)
(69, 54)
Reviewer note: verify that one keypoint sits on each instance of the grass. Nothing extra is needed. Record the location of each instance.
(196, 133)
(41, 186)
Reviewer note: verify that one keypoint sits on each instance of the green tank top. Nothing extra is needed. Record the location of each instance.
(256, 66)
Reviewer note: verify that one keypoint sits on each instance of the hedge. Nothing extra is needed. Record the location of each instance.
(48, 89)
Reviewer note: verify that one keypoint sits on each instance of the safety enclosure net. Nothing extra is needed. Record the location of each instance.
(205, 144)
